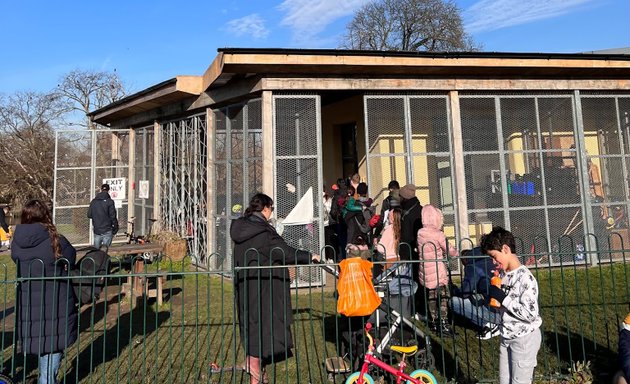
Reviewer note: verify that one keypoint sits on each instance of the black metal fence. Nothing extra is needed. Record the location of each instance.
(193, 336)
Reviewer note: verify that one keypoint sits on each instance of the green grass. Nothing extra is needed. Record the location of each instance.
(177, 341)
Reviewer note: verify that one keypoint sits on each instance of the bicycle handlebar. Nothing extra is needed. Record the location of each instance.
(368, 326)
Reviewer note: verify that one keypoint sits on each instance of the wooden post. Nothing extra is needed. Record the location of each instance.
(458, 165)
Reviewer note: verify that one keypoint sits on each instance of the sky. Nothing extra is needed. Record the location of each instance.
(147, 42)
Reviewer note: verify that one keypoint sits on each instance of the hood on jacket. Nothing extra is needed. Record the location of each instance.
(103, 195)
(432, 217)
(244, 228)
(30, 235)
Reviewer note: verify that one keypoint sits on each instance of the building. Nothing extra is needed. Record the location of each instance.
(538, 143)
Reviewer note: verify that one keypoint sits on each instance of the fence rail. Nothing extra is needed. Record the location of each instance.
(193, 336)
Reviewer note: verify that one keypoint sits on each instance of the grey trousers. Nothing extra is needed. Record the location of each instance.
(517, 358)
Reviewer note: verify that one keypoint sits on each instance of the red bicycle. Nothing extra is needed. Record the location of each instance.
(419, 376)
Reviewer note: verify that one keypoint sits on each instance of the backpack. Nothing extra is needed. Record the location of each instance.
(86, 286)
(367, 225)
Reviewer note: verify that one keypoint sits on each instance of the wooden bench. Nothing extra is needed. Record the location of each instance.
(140, 283)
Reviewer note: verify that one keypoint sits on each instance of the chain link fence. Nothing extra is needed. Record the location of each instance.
(82, 160)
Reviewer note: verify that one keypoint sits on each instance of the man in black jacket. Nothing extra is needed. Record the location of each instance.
(104, 221)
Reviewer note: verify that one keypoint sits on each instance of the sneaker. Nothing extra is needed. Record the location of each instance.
(488, 333)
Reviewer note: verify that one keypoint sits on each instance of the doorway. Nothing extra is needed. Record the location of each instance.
(349, 155)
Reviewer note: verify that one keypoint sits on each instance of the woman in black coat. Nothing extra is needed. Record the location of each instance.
(262, 295)
(47, 313)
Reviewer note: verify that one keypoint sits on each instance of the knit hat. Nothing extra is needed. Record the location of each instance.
(408, 191)
(626, 322)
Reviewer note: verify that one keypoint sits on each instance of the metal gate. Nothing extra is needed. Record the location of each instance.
(83, 158)
(184, 182)
(298, 167)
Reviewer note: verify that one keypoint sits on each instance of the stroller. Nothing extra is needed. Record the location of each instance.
(393, 321)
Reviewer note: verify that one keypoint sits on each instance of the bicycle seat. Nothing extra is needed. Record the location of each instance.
(410, 350)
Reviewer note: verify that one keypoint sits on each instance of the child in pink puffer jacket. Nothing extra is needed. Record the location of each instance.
(433, 274)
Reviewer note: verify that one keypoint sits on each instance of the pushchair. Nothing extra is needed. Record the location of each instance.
(393, 321)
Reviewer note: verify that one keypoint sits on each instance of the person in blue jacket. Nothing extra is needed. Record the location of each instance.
(471, 300)
(46, 308)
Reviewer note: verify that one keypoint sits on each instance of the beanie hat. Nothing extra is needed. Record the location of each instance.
(408, 191)
(626, 322)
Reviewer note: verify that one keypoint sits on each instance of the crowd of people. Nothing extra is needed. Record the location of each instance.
(406, 230)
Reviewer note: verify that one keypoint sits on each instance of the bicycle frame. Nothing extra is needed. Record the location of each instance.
(399, 373)
(370, 359)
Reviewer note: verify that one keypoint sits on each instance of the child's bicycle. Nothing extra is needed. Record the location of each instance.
(419, 376)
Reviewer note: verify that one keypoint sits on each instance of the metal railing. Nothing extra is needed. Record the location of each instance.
(194, 336)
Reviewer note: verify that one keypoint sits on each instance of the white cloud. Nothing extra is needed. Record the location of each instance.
(252, 25)
(307, 17)
(488, 15)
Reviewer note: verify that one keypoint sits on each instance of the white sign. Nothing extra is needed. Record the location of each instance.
(143, 190)
(117, 188)
(117, 203)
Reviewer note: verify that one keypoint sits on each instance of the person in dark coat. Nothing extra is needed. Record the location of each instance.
(624, 352)
(394, 194)
(262, 295)
(47, 313)
(104, 221)
(411, 222)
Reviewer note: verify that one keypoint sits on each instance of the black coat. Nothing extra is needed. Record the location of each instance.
(262, 295)
(103, 214)
(411, 222)
(47, 313)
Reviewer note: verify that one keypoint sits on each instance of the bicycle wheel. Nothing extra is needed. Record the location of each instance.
(5, 379)
(425, 377)
(354, 378)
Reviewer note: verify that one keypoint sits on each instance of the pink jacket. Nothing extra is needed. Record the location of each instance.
(431, 247)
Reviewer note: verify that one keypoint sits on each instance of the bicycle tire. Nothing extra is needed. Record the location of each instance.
(4, 379)
(354, 378)
(425, 377)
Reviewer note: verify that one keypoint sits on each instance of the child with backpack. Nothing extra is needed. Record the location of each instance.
(433, 270)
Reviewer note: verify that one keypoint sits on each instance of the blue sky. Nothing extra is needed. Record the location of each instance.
(147, 42)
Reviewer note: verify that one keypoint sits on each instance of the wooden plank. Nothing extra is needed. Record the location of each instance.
(276, 83)
(126, 249)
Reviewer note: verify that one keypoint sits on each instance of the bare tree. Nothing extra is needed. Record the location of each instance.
(408, 25)
(27, 147)
(91, 90)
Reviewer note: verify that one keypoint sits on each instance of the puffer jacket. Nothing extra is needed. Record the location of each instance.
(47, 313)
(432, 246)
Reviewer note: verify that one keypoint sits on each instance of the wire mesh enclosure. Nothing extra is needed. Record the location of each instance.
(82, 160)
(297, 138)
(184, 182)
(238, 171)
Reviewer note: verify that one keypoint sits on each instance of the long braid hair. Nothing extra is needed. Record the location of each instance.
(36, 211)
(396, 225)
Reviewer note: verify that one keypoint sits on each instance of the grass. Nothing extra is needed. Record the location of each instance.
(196, 326)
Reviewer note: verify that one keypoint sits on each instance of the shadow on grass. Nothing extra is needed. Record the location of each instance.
(572, 346)
(127, 332)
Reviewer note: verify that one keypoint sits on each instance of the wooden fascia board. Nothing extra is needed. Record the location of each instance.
(279, 84)
(190, 84)
(236, 59)
(213, 72)
(184, 87)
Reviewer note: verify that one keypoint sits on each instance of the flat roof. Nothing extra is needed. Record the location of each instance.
(231, 63)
